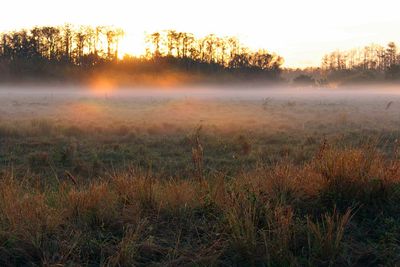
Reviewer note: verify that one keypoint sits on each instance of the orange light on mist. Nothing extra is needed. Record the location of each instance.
(102, 85)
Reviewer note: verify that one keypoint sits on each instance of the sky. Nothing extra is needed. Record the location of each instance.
(301, 31)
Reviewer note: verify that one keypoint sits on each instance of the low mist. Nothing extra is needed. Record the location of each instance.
(219, 108)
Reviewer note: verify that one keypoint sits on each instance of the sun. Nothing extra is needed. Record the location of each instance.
(131, 44)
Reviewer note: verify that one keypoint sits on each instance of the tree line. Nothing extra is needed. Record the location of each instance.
(82, 45)
(227, 52)
(43, 50)
(374, 60)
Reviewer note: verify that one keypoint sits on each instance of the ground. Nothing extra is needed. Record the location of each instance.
(199, 176)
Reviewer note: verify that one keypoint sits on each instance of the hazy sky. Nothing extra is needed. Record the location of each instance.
(299, 30)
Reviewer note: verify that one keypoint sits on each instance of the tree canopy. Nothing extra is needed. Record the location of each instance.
(53, 50)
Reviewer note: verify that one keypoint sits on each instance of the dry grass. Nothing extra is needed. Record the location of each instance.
(278, 216)
(92, 205)
(357, 177)
(240, 192)
(325, 237)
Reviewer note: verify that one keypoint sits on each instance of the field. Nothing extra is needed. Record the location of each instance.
(199, 177)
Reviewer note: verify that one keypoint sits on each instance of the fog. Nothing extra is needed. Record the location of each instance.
(226, 92)
(266, 109)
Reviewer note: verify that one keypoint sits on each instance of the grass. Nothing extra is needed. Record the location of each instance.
(275, 187)
(281, 215)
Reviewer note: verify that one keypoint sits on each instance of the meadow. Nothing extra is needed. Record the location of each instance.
(199, 177)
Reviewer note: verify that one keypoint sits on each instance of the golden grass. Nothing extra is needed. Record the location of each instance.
(325, 236)
(94, 204)
(275, 216)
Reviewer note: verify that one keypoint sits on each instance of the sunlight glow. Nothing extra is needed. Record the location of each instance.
(132, 45)
(301, 31)
(101, 86)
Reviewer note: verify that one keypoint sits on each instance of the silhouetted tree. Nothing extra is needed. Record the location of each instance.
(369, 61)
(49, 49)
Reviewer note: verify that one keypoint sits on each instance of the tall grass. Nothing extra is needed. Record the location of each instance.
(285, 215)
(356, 177)
(325, 237)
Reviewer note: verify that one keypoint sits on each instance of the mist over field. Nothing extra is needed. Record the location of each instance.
(203, 134)
(293, 116)
(256, 107)
(201, 173)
